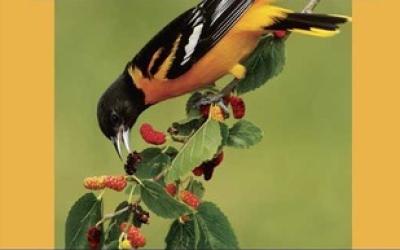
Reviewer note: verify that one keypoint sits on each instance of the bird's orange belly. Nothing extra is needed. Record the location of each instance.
(232, 49)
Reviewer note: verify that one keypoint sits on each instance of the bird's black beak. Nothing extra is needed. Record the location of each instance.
(122, 136)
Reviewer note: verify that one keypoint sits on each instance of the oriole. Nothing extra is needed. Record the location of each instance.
(199, 47)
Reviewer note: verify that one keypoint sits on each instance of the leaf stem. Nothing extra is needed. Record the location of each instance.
(135, 179)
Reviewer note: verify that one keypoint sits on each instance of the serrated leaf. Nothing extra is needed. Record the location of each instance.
(160, 202)
(266, 62)
(183, 236)
(216, 231)
(113, 231)
(85, 213)
(196, 187)
(153, 162)
(244, 134)
(201, 146)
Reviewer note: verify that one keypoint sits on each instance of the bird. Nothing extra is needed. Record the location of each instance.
(197, 48)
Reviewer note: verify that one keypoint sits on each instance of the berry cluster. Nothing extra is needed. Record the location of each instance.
(152, 136)
(132, 162)
(190, 199)
(218, 114)
(93, 236)
(133, 236)
(117, 183)
(207, 167)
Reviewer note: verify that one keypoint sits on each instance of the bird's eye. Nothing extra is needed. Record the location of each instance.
(114, 118)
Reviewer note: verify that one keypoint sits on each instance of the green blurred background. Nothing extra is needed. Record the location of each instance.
(293, 190)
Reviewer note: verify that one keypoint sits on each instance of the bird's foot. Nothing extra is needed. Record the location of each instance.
(214, 99)
(209, 100)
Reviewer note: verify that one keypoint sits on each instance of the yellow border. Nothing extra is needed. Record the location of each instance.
(376, 128)
(26, 123)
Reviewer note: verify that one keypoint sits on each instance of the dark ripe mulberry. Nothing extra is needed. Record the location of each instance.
(93, 236)
(238, 107)
(207, 168)
(132, 162)
(198, 171)
(140, 216)
(205, 110)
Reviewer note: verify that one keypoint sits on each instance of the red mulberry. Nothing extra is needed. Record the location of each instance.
(190, 199)
(152, 136)
(171, 189)
(136, 238)
(117, 183)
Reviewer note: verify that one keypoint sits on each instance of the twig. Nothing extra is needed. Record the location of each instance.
(111, 215)
(311, 5)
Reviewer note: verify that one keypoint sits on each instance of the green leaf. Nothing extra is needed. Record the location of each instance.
(196, 187)
(224, 133)
(266, 62)
(160, 202)
(153, 162)
(114, 245)
(183, 236)
(216, 231)
(84, 214)
(191, 109)
(201, 146)
(113, 231)
(188, 126)
(244, 134)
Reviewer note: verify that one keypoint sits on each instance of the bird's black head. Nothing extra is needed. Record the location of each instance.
(118, 109)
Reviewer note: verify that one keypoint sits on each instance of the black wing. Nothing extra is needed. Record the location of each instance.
(185, 40)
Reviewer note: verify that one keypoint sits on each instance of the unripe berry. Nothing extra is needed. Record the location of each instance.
(190, 199)
(152, 136)
(238, 107)
(171, 189)
(217, 113)
(125, 245)
(94, 183)
(117, 183)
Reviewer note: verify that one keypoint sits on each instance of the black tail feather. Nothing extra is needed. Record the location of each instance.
(306, 21)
